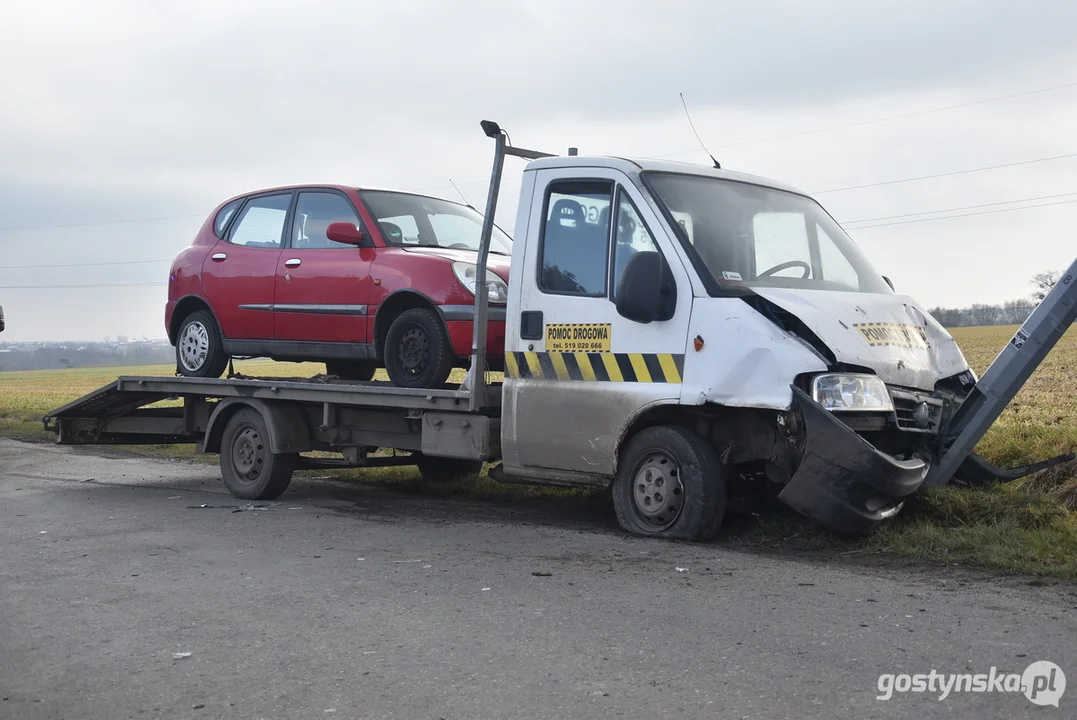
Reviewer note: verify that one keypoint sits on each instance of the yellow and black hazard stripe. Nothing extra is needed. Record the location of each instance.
(596, 367)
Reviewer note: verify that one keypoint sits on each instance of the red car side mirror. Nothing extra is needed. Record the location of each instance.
(344, 232)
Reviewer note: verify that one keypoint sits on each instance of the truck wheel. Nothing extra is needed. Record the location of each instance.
(442, 469)
(250, 470)
(199, 346)
(670, 484)
(417, 350)
(355, 370)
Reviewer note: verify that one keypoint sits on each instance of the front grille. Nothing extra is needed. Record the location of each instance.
(916, 411)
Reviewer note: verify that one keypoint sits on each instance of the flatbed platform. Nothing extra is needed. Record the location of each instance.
(119, 412)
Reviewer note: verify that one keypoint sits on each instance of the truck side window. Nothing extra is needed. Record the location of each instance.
(573, 251)
(630, 237)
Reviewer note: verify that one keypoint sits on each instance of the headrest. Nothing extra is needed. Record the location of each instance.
(565, 209)
(392, 232)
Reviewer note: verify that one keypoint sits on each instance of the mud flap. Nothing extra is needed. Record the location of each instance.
(843, 483)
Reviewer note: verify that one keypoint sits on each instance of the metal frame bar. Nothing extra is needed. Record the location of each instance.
(478, 392)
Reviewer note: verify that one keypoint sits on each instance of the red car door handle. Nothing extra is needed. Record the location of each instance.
(294, 262)
(217, 257)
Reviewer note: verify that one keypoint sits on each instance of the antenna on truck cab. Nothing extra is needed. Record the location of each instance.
(693, 126)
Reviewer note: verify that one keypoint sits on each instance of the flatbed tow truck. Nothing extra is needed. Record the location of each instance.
(672, 331)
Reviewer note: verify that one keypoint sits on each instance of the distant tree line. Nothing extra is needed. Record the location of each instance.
(58, 356)
(1011, 312)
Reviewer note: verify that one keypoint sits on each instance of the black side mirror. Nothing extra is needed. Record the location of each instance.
(890, 283)
(647, 291)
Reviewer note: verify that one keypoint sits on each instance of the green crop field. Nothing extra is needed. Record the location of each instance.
(1025, 526)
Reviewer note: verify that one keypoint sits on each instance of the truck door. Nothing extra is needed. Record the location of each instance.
(577, 372)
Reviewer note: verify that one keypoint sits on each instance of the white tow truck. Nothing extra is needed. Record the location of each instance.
(671, 329)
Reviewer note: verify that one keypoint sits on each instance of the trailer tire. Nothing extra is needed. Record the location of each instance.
(251, 471)
(443, 469)
(417, 352)
(670, 484)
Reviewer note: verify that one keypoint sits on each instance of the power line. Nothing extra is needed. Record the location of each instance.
(97, 222)
(845, 126)
(950, 217)
(902, 116)
(945, 174)
(93, 264)
(69, 287)
(845, 224)
(800, 133)
(955, 209)
(861, 227)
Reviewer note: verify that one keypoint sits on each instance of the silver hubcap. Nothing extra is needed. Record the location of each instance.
(657, 489)
(248, 454)
(194, 346)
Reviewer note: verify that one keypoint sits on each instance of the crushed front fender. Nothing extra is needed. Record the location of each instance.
(843, 483)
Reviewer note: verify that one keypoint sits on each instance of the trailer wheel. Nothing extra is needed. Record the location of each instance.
(442, 469)
(670, 484)
(417, 352)
(250, 470)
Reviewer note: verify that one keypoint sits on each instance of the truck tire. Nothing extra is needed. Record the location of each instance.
(354, 370)
(417, 350)
(442, 469)
(200, 347)
(250, 470)
(669, 484)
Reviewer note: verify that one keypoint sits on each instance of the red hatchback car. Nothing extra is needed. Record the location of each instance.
(355, 278)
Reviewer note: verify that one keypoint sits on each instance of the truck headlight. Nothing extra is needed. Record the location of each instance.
(497, 290)
(848, 391)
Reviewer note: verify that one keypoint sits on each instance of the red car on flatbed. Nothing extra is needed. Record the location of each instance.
(355, 278)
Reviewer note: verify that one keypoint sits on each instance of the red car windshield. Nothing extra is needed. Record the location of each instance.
(420, 221)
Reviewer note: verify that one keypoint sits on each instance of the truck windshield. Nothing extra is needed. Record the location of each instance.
(749, 235)
(419, 221)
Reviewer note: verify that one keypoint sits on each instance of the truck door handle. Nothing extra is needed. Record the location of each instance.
(531, 325)
(294, 262)
(217, 257)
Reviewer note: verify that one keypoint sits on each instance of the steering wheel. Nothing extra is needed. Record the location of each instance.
(786, 266)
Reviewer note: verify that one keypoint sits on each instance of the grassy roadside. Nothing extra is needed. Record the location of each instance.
(1026, 527)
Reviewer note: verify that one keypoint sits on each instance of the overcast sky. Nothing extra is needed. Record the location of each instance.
(139, 111)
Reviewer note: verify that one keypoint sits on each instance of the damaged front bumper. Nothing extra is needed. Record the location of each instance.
(843, 483)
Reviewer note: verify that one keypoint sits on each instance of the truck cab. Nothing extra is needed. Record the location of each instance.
(650, 297)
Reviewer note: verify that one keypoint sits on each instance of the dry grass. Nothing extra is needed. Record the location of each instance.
(1023, 527)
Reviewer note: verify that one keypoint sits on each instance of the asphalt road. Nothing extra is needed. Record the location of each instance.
(353, 601)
